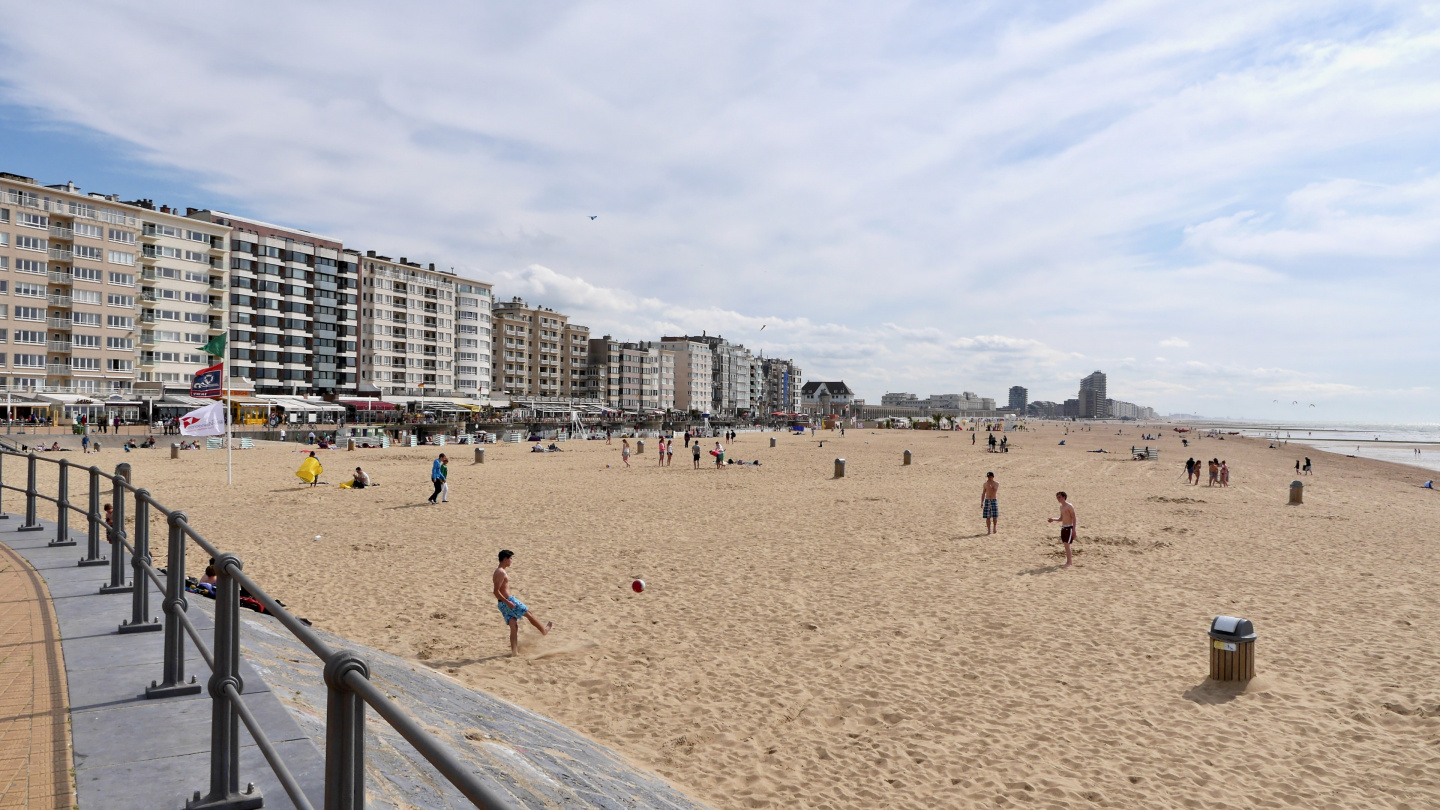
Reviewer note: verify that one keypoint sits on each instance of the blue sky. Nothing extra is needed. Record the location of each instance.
(1227, 207)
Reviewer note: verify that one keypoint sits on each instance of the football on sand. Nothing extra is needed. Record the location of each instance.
(638, 586)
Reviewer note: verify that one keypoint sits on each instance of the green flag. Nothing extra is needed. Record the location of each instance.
(216, 346)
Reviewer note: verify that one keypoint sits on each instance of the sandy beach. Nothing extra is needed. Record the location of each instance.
(807, 642)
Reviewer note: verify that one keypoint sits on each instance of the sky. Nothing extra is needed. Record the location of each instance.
(1231, 208)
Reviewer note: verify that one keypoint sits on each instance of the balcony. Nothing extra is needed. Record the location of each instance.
(57, 371)
(61, 278)
(58, 346)
(147, 338)
(62, 255)
(217, 305)
(62, 233)
(59, 323)
(59, 301)
(147, 296)
(147, 360)
(217, 325)
(148, 317)
(148, 273)
(149, 235)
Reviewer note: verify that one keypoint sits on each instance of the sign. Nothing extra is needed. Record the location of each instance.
(205, 421)
(206, 384)
(1227, 646)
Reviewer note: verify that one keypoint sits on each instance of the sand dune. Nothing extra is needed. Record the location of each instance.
(818, 643)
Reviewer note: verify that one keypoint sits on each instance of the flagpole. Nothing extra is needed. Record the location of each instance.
(225, 397)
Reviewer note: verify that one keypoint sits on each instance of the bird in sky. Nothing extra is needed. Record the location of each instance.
(762, 327)
(593, 216)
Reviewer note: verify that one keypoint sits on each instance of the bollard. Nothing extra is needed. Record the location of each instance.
(172, 683)
(224, 717)
(350, 444)
(116, 533)
(139, 621)
(94, 518)
(772, 441)
(479, 455)
(639, 447)
(906, 463)
(344, 733)
(32, 522)
(1297, 492)
(3, 514)
(62, 504)
(839, 468)
(174, 449)
(1232, 649)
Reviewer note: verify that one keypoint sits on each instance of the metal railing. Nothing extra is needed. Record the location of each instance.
(346, 674)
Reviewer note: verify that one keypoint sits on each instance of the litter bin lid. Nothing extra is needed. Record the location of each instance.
(1232, 628)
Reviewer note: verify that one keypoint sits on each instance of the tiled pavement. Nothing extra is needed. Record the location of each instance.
(34, 727)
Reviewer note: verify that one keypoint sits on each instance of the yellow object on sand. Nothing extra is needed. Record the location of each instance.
(310, 470)
(347, 485)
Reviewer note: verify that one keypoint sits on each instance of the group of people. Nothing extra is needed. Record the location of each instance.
(1069, 523)
(1219, 472)
(1302, 470)
(665, 451)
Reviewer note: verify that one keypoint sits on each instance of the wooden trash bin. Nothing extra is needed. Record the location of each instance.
(1232, 649)
(772, 441)
(1297, 492)
(906, 462)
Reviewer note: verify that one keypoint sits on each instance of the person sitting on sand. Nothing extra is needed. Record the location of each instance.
(513, 609)
(361, 479)
(553, 448)
(537, 448)
(211, 575)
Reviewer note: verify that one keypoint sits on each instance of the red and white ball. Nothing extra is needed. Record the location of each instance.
(638, 586)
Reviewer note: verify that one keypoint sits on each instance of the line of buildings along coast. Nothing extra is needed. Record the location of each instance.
(105, 303)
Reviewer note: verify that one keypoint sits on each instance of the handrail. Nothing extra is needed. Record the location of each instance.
(347, 676)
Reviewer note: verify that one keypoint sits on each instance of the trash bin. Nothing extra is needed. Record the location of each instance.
(639, 447)
(479, 455)
(174, 450)
(1232, 649)
(906, 463)
(839, 468)
(1297, 492)
(772, 441)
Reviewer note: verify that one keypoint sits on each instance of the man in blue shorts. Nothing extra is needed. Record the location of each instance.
(510, 607)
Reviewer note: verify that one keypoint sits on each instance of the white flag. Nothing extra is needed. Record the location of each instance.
(206, 421)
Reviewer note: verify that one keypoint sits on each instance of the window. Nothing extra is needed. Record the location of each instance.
(193, 256)
(86, 274)
(33, 336)
(32, 220)
(124, 344)
(119, 322)
(31, 243)
(4, 240)
(192, 337)
(4, 311)
(4, 335)
(197, 298)
(89, 253)
(31, 266)
(167, 314)
(85, 318)
(122, 236)
(167, 337)
(120, 257)
(30, 360)
(196, 236)
(117, 300)
(197, 358)
(197, 317)
(112, 364)
(29, 290)
(202, 278)
(30, 313)
(122, 279)
(89, 231)
(85, 363)
(86, 341)
(86, 297)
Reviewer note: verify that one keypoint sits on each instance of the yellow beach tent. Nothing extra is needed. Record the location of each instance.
(310, 470)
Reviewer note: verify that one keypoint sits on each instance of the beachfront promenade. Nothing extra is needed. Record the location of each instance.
(64, 657)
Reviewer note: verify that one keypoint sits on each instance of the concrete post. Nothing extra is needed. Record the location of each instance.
(839, 468)
(116, 534)
(479, 455)
(1297, 492)
(906, 463)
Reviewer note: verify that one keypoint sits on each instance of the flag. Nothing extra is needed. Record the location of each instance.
(216, 346)
(207, 382)
(205, 421)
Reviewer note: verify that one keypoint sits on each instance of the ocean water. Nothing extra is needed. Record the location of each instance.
(1384, 442)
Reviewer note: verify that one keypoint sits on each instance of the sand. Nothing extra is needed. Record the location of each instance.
(817, 643)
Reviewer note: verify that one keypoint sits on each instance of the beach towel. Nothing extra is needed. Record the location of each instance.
(310, 470)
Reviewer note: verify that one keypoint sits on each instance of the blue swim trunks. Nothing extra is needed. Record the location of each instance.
(990, 509)
(517, 612)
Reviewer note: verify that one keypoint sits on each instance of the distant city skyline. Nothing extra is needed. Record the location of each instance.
(1216, 205)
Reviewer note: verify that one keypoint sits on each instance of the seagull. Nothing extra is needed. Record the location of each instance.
(762, 327)
(593, 216)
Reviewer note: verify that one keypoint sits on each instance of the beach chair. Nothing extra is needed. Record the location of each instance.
(247, 443)
(414, 440)
(440, 440)
(385, 440)
(1145, 453)
(215, 443)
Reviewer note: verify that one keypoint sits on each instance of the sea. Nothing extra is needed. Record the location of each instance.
(1397, 443)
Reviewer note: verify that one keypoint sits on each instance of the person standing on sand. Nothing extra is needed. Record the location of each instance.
(695, 453)
(1190, 469)
(1297, 466)
(1224, 474)
(972, 438)
(687, 437)
(625, 451)
(660, 452)
(1068, 525)
(719, 456)
(1307, 465)
(438, 471)
(989, 505)
(670, 451)
(511, 608)
(1214, 470)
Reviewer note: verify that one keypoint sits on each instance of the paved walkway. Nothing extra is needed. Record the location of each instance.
(34, 732)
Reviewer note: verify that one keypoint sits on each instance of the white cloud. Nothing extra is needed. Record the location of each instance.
(923, 197)
(1175, 342)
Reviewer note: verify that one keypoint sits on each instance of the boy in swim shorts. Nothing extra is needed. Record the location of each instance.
(1068, 527)
(513, 609)
(990, 505)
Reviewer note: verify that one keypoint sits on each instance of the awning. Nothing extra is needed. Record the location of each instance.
(70, 399)
(115, 403)
(187, 400)
(370, 404)
(298, 405)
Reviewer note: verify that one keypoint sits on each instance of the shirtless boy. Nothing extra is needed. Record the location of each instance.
(510, 607)
(1068, 529)
(989, 506)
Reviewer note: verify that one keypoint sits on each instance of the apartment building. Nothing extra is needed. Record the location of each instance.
(473, 303)
(782, 382)
(184, 271)
(694, 373)
(1092, 397)
(67, 289)
(293, 308)
(735, 385)
(626, 375)
(407, 335)
(662, 396)
(536, 352)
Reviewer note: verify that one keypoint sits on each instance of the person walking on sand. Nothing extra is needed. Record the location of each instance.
(1307, 465)
(1224, 474)
(1068, 525)
(719, 456)
(438, 472)
(1214, 470)
(1189, 469)
(990, 505)
(625, 451)
(695, 453)
(1297, 466)
(511, 608)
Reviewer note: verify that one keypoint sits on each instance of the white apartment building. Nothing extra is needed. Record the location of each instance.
(407, 337)
(184, 269)
(694, 373)
(473, 303)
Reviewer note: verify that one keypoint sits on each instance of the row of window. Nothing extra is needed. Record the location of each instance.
(76, 363)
